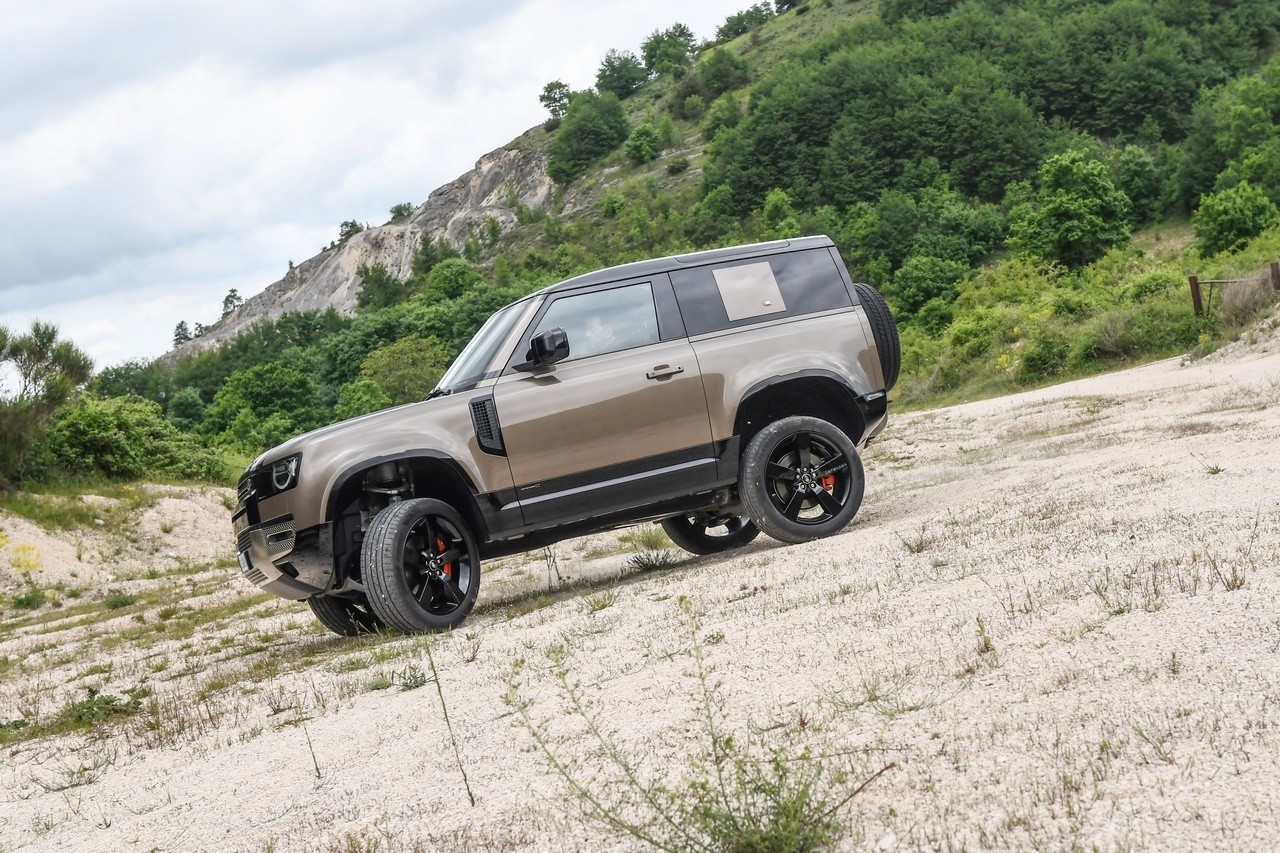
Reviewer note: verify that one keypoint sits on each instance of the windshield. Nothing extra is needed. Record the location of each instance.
(476, 356)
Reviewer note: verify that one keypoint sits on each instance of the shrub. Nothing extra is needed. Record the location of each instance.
(921, 279)
(127, 438)
(1226, 220)
(642, 145)
(593, 126)
(360, 398)
(677, 165)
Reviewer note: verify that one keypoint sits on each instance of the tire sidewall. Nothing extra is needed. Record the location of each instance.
(688, 536)
(754, 488)
(388, 592)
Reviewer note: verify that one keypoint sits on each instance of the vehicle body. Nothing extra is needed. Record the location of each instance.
(625, 395)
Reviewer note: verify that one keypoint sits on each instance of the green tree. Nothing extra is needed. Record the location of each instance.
(378, 288)
(406, 370)
(642, 144)
(263, 405)
(594, 126)
(360, 397)
(896, 10)
(181, 334)
(1228, 219)
(401, 211)
(923, 278)
(452, 278)
(620, 73)
(743, 22)
(348, 229)
(186, 409)
(46, 371)
(1076, 215)
(555, 97)
(1135, 174)
(668, 51)
(231, 301)
(722, 71)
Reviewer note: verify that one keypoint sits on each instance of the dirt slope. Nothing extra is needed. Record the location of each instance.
(1056, 617)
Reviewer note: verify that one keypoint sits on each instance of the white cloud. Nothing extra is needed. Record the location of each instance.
(154, 155)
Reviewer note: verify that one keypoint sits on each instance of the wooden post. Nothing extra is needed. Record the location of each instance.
(1196, 302)
(1275, 276)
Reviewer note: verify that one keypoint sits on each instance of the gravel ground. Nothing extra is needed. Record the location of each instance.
(1054, 622)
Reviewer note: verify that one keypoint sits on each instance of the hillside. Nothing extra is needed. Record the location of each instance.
(1051, 626)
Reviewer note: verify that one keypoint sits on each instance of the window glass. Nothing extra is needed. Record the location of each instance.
(722, 296)
(472, 363)
(604, 320)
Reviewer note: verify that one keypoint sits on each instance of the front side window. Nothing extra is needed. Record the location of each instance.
(604, 320)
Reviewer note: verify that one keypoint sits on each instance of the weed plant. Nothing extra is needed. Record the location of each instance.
(740, 792)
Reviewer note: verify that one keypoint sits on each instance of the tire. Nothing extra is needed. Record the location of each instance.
(346, 617)
(801, 479)
(420, 566)
(693, 532)
(885, 332)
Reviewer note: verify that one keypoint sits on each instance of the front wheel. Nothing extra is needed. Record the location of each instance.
(346, 617)
(801, 479)
(420, 566)
(708, 533)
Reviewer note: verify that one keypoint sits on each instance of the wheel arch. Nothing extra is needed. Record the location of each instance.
(814, 393)
(435, 475)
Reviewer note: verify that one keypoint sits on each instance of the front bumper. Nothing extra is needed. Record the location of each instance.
(273, 554)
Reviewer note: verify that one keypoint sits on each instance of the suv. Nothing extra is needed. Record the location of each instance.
(721, 393)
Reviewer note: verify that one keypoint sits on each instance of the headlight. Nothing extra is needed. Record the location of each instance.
(284, 473)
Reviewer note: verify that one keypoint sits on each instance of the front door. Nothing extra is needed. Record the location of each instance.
(620, 423)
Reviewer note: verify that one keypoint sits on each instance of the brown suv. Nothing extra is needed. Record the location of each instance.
(721, 393)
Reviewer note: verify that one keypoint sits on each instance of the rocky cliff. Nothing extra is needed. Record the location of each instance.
(500, 182)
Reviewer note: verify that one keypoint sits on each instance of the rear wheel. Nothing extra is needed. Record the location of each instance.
(420, 566)
(347, 617)
(709, 533)
(801, 479)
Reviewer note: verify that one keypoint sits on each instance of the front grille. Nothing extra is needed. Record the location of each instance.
(243, 540)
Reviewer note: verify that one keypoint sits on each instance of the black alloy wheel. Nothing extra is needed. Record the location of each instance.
(710, 533)
(420, 566)
(346, 617)
(802, 479)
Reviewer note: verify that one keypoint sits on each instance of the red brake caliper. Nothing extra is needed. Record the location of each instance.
(829, 482)
(441, 547)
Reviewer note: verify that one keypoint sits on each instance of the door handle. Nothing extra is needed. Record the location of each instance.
(662, 371)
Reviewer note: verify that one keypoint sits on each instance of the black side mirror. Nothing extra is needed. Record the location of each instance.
(546, 348)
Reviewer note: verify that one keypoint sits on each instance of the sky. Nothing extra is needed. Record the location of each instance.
(156, 154)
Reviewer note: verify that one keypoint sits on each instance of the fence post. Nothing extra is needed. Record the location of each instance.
(1275, 276)
(1196, 302)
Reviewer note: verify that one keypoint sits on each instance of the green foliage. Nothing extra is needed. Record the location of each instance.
(1077, 213)
(743, 22)
(452, 278)
(401, 211)
(668, 51)
(896, 10)
(676, 165)
(593, 127)
(46, 371)
(378, 288)
(181, 334)
(348, 229)
(555, 97)
(1226, 220)
(725, 111)
(620, 73)
(231, 301)
(642, 144)
(262, 406)
(406, 370)
(722, 71)
(1134, 173)
(360, 397)
(922, 279)
(186, 410)
(126, 438)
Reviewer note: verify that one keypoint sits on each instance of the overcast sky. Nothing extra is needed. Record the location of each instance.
(154, 155)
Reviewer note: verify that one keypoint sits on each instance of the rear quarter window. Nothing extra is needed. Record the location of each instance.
(741, 293)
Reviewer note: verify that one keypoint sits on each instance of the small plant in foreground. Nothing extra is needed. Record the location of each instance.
(650, 561)
(739, 795)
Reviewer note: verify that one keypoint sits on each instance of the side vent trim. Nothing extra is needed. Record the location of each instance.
(484, 416)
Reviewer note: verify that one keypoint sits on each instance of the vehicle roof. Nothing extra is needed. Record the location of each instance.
(639, 269)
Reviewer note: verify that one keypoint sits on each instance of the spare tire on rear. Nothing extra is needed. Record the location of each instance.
(884, 330)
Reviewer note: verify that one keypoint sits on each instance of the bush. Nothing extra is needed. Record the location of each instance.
(677, 165)
(1226, 220)
(360, 398)
(642, 145)
(127, 438)
(593, 127)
